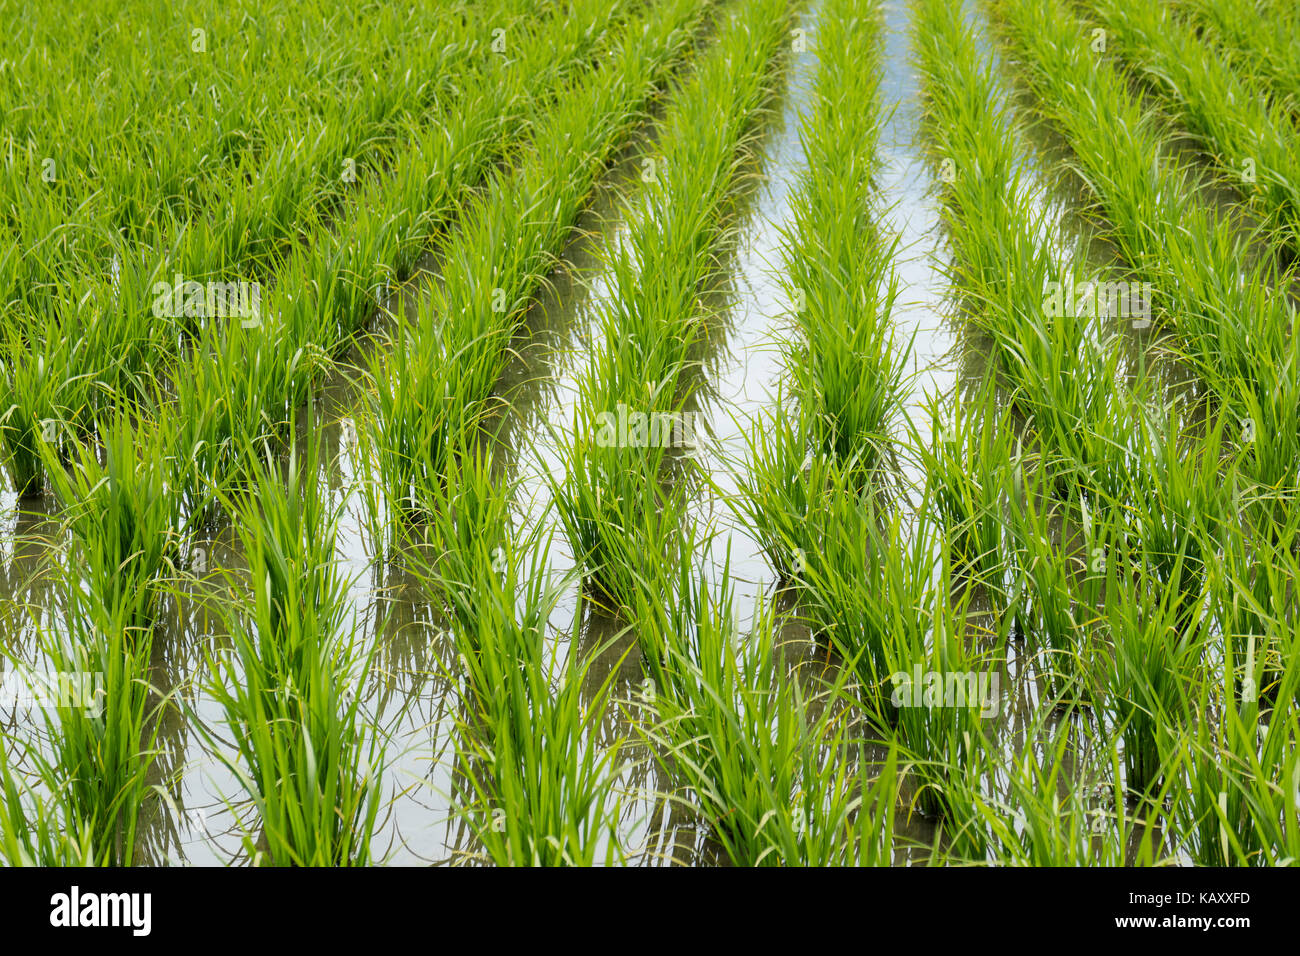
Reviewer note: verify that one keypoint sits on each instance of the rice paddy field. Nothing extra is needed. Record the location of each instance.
(650, 432)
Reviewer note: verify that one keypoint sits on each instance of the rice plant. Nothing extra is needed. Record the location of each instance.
(32, 832)
(535, 790)
(772, 766)
(304, 748)
(844, 354)
(651, 324)
(446, 362)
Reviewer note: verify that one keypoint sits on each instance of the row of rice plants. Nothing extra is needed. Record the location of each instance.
(533, 785)
(812, 466)
(240, 384)
(524, 802)
(779, 772)
(433, 388)
(1221, 303)
(95, 776)
(304, 747)
(381, 237)
(1254, 36)
(1001, 275)
(1253, 141)
(617, 514)
(1158, 689)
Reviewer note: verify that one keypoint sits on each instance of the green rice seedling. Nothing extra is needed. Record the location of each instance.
(1047, 567)
(1240, 803)
(781, 489)
(31, 831)
(118, 335)
(1266, 431)
(423, 403)
(619, 520)
(941, 690)
(868, 586)
(845, 358)
(103, 732)
(39, 393)
(469, 526)
(964, 467)
(673, 606)
(542, 788)
(539, 791)
(124, 519)
(853, 386)
(1252, 589)
(1072, 411)
(1177, 495)
(1051, 816)
(288, 690)
(1153, 666)
(771, 769)
(225, 404)
(1237, 758)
